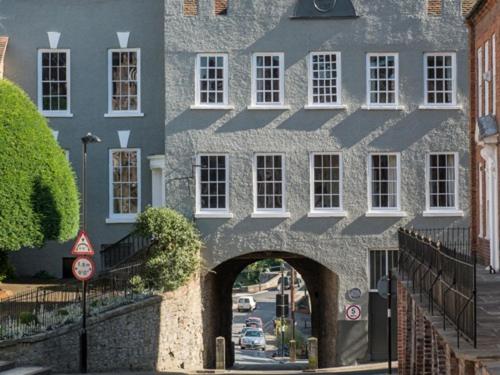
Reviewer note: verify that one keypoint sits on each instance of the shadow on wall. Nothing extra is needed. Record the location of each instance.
(192, 119)
(249, 120)
(45, 209)
(436, 222)
(303, 120)
(318, 226)
(370, 225)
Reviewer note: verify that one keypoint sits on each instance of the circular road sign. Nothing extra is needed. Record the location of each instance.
(353, 312)
(383, 287)
(83, 268)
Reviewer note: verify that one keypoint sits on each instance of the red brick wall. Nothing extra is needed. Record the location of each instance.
(221, 7)
(434, 7)
(190, 7)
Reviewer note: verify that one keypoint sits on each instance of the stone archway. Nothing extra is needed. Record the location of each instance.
(322, 284)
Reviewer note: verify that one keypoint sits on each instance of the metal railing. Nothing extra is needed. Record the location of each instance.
(47, 308)
(117, 253)
(445, 275)
(456, 238)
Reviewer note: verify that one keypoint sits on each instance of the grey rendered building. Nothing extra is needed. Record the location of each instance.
(312, 130)
(95, 66)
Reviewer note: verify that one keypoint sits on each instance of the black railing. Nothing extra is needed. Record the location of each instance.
(47, 308)
(445, 276)
(117, 253)
(456, 238)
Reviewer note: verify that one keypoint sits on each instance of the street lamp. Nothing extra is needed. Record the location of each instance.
(89, 138)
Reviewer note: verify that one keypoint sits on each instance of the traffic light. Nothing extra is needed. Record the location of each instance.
(282, 306)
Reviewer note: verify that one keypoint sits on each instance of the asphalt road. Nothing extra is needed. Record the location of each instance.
(256, 359)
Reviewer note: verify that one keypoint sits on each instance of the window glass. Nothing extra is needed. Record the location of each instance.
(324, 78)
(384, 181)
(268, 77)
(380, 262)
(124, 81)
(439, 79)
(212, 81)
(54, 81)
(442, 180)
(125, 189)
(269, 182)
(212, 185)
(382, 79)
(326, 180)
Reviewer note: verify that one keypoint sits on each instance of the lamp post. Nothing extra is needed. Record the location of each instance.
(89, 138)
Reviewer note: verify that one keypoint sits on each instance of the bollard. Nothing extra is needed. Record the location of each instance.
(220, 353)
(312, 353)
(293, 351)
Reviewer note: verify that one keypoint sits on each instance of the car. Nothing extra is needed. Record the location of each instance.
(246, 303)
(254, 322)
(253, 339)
(243, 331)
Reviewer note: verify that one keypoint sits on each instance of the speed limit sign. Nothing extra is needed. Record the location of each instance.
(83, 268)
(353, 312)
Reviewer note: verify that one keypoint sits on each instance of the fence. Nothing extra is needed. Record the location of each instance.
(115, 254)
(444, 275)
(47, 308)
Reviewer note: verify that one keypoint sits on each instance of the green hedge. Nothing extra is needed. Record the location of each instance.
(38, 193)
(175, 253)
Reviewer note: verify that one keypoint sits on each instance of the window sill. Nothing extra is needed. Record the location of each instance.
(213, 215)
(373, 107)
(324, 106)
(270, 215)
(121, 220)
(443, 213)
(56, 114)
(386, 214)
(124, 114)
(440, 107)
(327, 214)
(221, 107)
(266, 107)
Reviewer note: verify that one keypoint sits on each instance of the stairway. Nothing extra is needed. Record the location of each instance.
(9, 368)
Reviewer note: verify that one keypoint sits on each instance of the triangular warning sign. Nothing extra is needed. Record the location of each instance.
(82, 245)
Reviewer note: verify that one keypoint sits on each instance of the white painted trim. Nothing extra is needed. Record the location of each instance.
(489, 153)
(123, 38)
(324, 106)
(453, 103)
(369, 104)
(270, 215)
(331, 213)
(440, 107)
(494, 78)
(385, 213)
(157, 166)
(211, 212)
(281, 104)
(480, 171)
(443, 213)
(110, 112)
(262, 107)
(156, 161)
(276, 212)
(440, 210)
(67, 112)
(225, 96)
(486, 83)
(213, 107)
(310, 103)
(123, 136)
(479, 82)
(54, 37)
(213, 215)
(55, 133)
(123, 218)
(375, 107)
(317, 212)
(379, 210)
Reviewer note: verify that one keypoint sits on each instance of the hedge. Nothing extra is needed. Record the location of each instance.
(38, 193)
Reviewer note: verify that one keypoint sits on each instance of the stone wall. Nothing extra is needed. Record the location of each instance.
(160, 333)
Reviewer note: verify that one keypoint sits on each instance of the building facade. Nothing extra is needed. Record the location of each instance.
(484, 24)
(91, 71)
(316, 128)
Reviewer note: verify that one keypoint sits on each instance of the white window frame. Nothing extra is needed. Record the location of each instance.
(115, 218)
(383, 106)
(486, 83)
(219, 213)
(442, 211)
(453, 104)
(275, 212)
(338, 78)
(480, 82)
(387, 253)
(64, 113)
(480, 171)
(384, 211)
(326, 212)
(494, 75)
(114, 113)
(281, 104)
(225, 102)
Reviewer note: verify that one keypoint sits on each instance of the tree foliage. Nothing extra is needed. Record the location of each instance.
(38, 193)
(175, 253)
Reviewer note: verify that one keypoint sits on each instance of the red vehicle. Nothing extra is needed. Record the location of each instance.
(254, 322)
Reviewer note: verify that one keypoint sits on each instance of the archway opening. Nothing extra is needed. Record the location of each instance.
(220, 307)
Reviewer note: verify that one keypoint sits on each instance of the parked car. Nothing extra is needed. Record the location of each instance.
(243, 331)
(298, 283)
(253, 339)
(254, 322)
(246, 303)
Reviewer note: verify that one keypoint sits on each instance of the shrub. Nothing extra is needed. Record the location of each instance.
(28, 318)
(6, 268)
(175, 253)
(38, 193)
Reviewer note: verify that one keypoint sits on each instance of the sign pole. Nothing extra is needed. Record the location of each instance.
(83, 334)
(389, 318)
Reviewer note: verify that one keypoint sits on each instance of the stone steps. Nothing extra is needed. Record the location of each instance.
(9, 368)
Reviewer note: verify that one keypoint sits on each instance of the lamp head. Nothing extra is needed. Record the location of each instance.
(91, 138)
